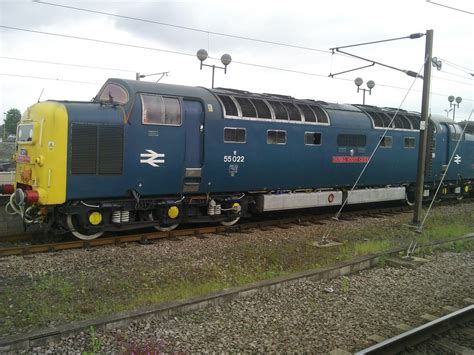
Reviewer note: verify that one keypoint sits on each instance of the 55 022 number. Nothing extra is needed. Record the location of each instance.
(234, 159)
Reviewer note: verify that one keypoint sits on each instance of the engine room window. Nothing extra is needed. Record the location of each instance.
(409, 142)
(262, 109)
(229, 106)
(312, 138)
(309, 115)
(158, 110)
(276, 137)
(113, 93)
(248, 109)
(280, 110)
(235, 135)
(386, 142)
(351, 140)
(380, 119)
(415, 121)
(320, 114)
(293, 113)
(25, 133)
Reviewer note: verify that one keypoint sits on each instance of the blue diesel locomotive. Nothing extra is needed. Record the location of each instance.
(145, 154)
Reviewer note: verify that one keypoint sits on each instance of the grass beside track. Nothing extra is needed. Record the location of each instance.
(45, 297)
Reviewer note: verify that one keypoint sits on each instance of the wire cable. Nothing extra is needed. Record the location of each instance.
(458, 67)
(53, 79)
(450, 7)
(66, 64)
(344, 203)
(182, 27)
(96, 40)
(192, 55)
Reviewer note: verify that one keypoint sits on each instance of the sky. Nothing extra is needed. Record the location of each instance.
(300, 68)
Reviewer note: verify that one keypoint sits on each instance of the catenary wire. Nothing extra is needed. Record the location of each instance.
(173, 52)
(183, 27)
(66, 64)
(47, 78)
(458, 66)
(344, 203)
(450, 7)
(96, 40)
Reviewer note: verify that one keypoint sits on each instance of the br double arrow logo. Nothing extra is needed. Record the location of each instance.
(457, 159)
(153, 158)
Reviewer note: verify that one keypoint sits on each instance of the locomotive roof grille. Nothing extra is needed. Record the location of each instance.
(381, 118)
(263, 111)
(254, 106)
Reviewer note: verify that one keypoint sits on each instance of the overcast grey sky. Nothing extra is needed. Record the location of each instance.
(315, 24)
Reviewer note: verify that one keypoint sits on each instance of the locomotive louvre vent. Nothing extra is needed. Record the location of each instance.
(380, 119)
(320, 114)
(351, 140)
(415, 121)
(293, 113)
(110, 150)
(309, 115)
(248, 109)
(262, 109)
(83, 149)
(280, 110)
(96, 149)
(403, 121)
(229, 105)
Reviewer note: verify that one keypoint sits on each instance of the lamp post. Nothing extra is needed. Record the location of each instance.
(226, 59)
(370, 84)
(453, 105)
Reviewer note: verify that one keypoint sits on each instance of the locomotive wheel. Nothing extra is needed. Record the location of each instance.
(230, 223)
(165, 227)
(79, 231)
(162, 227)
(410, 198)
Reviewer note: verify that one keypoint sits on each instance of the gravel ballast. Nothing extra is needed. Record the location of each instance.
(309, 316)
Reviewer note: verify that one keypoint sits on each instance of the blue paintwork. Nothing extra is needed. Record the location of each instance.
(193, 120)
(265, 167)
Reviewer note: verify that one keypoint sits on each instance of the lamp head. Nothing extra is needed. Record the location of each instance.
(202, 55)
(226, 59)
(370, 84)
(450, 98)
(458, 100)
(358, 81)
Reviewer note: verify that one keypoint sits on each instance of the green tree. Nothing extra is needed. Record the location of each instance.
(11, 121)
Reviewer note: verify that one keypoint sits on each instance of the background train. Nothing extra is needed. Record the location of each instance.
(145, 154)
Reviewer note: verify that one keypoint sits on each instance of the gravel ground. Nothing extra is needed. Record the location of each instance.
(301, 318)
(200, 251)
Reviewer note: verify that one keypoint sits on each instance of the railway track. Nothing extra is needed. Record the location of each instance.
(450, 334)
(283, 223)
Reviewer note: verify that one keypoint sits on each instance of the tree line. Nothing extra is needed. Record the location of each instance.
(12, 119)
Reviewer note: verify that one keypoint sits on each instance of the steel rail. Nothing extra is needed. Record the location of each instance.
(421, 334)
(190, 232)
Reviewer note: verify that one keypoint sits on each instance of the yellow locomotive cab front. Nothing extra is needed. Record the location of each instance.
(41, 155)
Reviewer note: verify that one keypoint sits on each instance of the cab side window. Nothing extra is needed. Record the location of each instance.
(159, 110)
